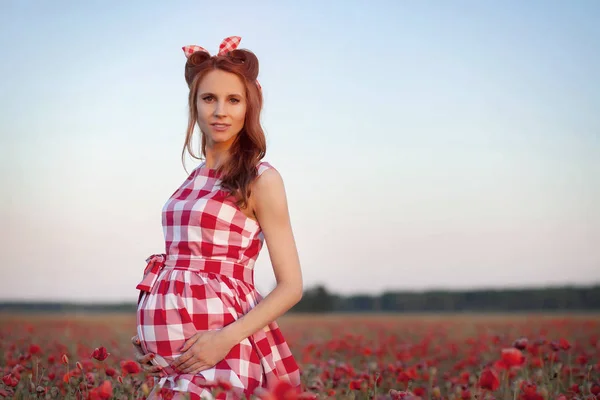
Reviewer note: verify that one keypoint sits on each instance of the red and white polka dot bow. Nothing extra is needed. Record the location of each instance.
(228, 44)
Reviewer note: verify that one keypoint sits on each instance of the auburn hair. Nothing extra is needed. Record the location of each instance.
(249, 147)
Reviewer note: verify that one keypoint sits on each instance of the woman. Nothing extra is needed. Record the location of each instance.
(200, 319)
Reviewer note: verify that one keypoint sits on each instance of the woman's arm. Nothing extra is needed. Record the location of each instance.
(269, 202)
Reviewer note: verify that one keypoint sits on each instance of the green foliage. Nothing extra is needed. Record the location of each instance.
(318, 299)
(541, 299)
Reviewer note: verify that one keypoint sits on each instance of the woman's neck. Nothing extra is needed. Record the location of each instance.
(215, 157)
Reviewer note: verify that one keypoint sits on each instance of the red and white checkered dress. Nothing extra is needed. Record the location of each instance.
(204, 282)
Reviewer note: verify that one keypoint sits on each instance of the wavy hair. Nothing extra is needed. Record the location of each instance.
(249, 147)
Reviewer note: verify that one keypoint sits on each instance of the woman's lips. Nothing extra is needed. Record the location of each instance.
(220, 127)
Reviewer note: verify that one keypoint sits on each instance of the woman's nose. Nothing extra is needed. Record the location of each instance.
(220, 109)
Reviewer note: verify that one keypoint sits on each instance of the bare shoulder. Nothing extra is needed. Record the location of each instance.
(268, 178)
(268, 192)
(269, 183)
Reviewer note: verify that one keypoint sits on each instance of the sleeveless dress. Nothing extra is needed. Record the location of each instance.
(203, 282)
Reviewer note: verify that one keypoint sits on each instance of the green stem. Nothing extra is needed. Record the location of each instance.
(587, 380)
(551, 383)
(570, 368)
(430, 389)
(103, 373)
(506, 386)
(68, 383)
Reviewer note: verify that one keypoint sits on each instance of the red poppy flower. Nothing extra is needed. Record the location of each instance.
(284, 391)
(100, 353)
(582, 359)
(34, 349)
(102, 392)
(529, 392)
(521, 343)
(402, 395)
(489, 379)
(511, 358)
(130, 367)
(564, 344)
(355, 384)
(10, 380)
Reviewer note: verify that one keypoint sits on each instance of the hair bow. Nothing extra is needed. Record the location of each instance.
(228, 44)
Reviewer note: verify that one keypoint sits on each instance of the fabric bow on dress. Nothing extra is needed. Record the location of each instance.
(156, 263)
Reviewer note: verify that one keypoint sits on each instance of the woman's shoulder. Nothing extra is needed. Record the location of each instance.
(268, 177)
(268, 188)
(264, 166)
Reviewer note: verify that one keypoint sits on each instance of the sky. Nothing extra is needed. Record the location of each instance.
(423, 144)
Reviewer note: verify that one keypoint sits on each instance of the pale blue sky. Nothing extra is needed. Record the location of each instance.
(424, 144)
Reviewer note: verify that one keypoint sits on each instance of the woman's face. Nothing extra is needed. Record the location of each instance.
(221, 107)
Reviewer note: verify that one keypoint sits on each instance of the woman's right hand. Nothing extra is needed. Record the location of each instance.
(145, 360)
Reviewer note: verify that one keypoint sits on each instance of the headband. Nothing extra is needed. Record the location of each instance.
(228, 44)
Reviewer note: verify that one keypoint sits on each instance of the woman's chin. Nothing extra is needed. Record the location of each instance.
(220, 139)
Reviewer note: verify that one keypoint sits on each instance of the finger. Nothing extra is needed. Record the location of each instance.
(187, 364)
(156, 368)
(153, 370)
(182, 359)
(189, 343)
(193, 367)
(143, 363)
(135, 340)
(146, 359)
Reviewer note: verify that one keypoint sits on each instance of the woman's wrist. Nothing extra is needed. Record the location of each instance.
(232, 334)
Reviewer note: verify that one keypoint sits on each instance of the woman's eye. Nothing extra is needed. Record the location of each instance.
(233, 100)
(207, 98)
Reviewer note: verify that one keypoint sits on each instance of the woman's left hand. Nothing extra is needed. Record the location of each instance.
(202, 351)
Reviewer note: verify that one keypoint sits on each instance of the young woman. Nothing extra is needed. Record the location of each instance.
(200, 319)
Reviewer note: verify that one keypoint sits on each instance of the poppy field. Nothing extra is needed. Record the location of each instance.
(412, 357)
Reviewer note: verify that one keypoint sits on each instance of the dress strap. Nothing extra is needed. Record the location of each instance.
(262, 167)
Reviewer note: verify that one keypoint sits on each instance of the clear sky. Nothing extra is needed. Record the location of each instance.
(423, 144)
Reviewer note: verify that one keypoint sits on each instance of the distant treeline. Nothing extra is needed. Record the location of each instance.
(319, 299)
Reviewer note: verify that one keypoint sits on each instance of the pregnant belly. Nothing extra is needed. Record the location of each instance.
(184, 303)
(162, 332)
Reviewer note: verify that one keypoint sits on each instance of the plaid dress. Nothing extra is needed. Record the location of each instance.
(205, 282)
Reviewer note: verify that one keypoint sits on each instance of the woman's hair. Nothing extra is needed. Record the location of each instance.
(249, 146)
